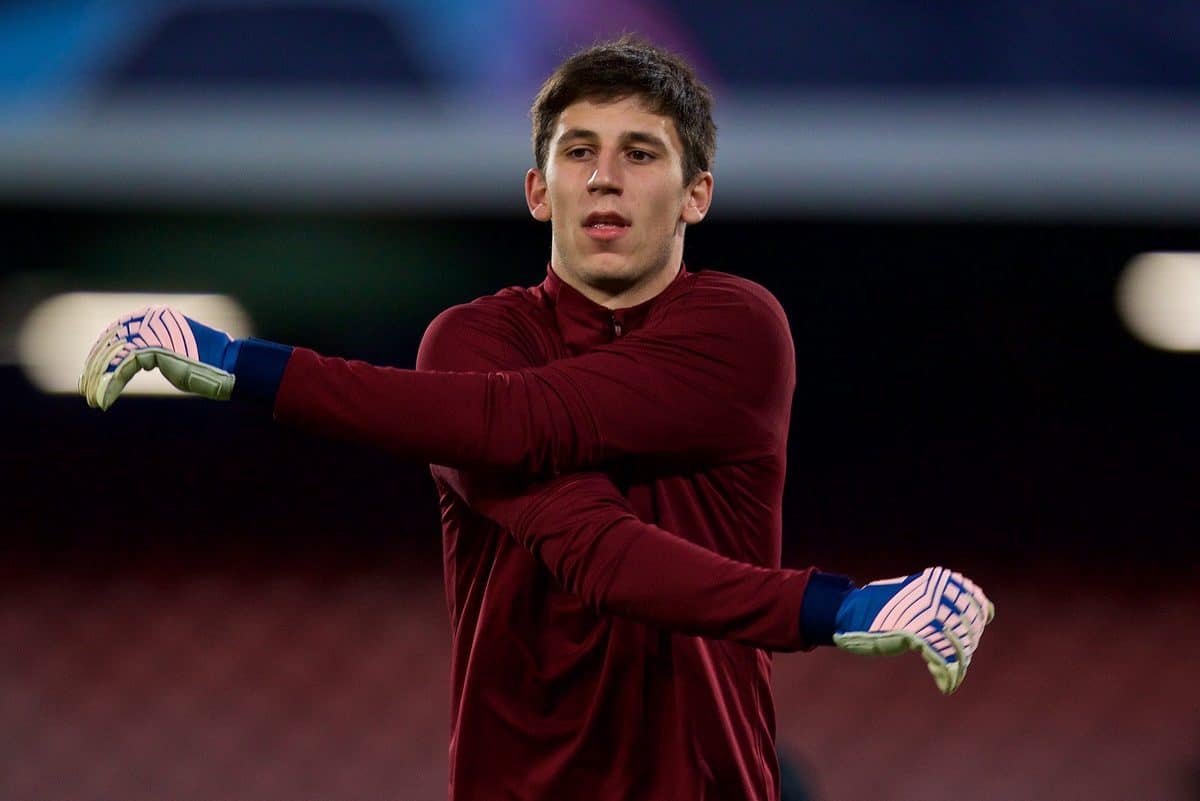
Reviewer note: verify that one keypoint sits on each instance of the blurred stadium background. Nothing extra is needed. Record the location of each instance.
(195, 603)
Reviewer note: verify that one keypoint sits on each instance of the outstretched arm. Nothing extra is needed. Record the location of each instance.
(709, 383)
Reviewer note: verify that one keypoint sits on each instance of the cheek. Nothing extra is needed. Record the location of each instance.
(665, 207)
(562, 200)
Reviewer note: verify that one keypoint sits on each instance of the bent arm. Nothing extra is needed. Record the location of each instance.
(588, 536)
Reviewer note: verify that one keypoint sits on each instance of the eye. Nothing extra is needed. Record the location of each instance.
(578, 152)
(640, 155)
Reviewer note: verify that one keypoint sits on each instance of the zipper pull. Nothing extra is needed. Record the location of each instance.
(616, 324)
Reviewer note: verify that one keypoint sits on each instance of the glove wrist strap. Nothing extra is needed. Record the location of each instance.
(258, 365)
(823, 598)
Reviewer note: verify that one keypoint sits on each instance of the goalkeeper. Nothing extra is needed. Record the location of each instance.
(608, 448)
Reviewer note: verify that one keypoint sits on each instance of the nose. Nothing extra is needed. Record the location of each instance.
(607, 176)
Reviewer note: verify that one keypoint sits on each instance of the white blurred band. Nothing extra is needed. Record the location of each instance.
(57, 334)
(1158, 297)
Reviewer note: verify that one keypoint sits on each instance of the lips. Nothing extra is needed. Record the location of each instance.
(605, 218)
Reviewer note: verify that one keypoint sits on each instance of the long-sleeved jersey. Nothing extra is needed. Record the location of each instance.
(610, 486)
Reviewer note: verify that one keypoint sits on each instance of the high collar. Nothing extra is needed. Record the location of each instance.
(584, 324)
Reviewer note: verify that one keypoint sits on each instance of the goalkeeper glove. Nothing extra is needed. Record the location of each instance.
(937, 612)
(192, 356)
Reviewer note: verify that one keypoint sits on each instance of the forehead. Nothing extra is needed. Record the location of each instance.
(616, 118)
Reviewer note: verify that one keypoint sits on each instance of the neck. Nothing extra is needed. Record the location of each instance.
(618, 294)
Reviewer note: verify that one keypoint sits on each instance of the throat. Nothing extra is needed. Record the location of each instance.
(618, 289)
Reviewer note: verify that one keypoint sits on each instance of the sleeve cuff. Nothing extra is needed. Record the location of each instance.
(259, 371)
(818, 611)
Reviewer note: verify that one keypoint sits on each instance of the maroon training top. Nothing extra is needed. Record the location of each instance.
(611, 629)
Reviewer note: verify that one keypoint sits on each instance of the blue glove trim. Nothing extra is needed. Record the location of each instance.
(213, 345)
(863, 605)
(258, 366)
(823, 598)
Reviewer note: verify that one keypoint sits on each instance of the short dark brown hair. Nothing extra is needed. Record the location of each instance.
(627, 67)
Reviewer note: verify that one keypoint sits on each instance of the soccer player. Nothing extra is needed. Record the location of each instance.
(608, 448)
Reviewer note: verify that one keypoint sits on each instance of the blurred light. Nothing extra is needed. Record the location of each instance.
(1158, 297)
(57, 334)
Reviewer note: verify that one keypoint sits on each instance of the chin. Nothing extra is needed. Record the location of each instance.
(609, 271)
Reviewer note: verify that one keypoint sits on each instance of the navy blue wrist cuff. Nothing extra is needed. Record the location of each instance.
(259, 370)
(818, 612)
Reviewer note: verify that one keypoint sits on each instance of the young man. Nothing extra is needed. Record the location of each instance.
(609, 453)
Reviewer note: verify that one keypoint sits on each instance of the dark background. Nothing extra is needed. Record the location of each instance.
(201, 602)
(963, 388)
(198, 603)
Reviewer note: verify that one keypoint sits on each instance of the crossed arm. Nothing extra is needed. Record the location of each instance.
(584, 531)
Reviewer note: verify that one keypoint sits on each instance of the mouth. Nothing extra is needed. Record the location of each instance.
(605, 225)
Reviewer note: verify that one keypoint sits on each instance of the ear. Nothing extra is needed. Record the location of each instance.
(699, 197)
(536, 195)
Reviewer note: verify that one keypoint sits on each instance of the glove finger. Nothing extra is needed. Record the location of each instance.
(962, 631)
(963, 662)
(989, 609)
(949, 632)
(134, 363)
(105, 345)
(983, 612)
(95, 368)
(96, 394)
(106, 338)
(941, 669)
(974, 607)
(99, 366)
(111, 385)
(946, 674)
(972, 615)
(981, 596)
(104, 384)
(90, 365)
(97, 382)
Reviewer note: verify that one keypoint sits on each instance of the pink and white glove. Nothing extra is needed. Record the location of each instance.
(192, 356)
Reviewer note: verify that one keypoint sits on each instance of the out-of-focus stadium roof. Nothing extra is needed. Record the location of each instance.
(985, 111)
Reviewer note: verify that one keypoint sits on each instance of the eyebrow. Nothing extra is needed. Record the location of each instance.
(627, 138)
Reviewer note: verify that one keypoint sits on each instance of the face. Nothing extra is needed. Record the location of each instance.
(613, 192)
